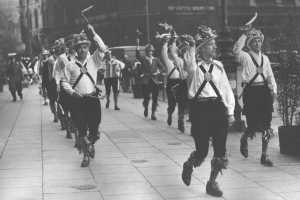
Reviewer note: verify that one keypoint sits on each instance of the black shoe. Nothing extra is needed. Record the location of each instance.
(186, 174)
(181, 126)
(107, 105)
(14, 100)
(63, 128)
(117, 108)
(265, 160)
(153, 117)
(146, 112)
(169, 120)
(213, 189)
(85, 162)
(68, 135)
(55, 120)
(244, 147)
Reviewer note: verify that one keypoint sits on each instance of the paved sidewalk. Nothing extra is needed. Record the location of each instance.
(136, 159)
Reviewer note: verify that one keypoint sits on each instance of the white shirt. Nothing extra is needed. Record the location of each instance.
(113, 68)
(170, 64)
(249, 68)
(59, 67)
(219, 78)
(93, 63)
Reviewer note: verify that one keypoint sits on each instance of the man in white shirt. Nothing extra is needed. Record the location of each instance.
(63, 106)
(212, 107)
(112, 78)
(176, 81)
(259, 90)
(80, 83)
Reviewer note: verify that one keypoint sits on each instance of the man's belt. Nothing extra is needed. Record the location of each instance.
(258, 84)
(207, 99)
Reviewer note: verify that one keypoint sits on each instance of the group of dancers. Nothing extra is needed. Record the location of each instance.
(194, 78)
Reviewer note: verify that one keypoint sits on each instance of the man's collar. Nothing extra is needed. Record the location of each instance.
(201, 61)
(212, 61)
(255, 54)
(149, 57)
(85, 61)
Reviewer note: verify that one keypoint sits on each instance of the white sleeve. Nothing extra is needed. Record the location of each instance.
(165, 57)
(238, 48)
(189, 59)
(228, 96)
(121, 64)
(98, 55)
(65, 82)
(270, 77)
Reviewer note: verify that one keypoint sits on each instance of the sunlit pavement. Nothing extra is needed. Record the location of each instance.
(136, 159)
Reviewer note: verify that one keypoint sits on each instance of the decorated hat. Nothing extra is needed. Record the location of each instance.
(252, 34)
(59, 43)
(149, 47)
(59, 46)
(10, 55)
(204, 34)
(45, 52)
(81, 39)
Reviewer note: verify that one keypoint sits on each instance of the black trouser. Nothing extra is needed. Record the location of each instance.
(209, 119)
(150, 88)
(258, 108)
(86, 113)
(176, 93)
(111, 83)
(14, 88)
(65, 102)
(52, 95)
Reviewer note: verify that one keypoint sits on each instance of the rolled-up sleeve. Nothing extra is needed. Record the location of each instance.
(98, 55)
(227, 93)
(270, 77)
(66, 82)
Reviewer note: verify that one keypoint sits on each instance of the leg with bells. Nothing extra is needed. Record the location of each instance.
(249, 133)
(181, 109)
(146, 96)
(19, 89)
(79, 115)
(93, 120)
(199, 130)
(116, 90)
(171, 102)
(13, 94)
(53, 108)
(107, 83)
(266, 136)
(219, 162)
(196, 158)
(154, 91)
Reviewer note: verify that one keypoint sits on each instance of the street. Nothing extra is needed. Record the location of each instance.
(136, 159)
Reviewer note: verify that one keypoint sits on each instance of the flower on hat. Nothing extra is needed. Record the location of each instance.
(252, 34)
(204, 34)
(45, 52)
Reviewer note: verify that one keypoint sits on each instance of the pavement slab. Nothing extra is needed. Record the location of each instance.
(136, 159)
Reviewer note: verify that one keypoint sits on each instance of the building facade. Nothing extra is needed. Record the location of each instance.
(118, 20)
(31, 24)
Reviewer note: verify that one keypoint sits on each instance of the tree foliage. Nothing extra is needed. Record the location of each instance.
(288, 81)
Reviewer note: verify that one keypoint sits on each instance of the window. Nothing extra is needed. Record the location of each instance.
(36, 16)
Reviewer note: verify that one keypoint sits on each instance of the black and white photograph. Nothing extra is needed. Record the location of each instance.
(149, 99)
